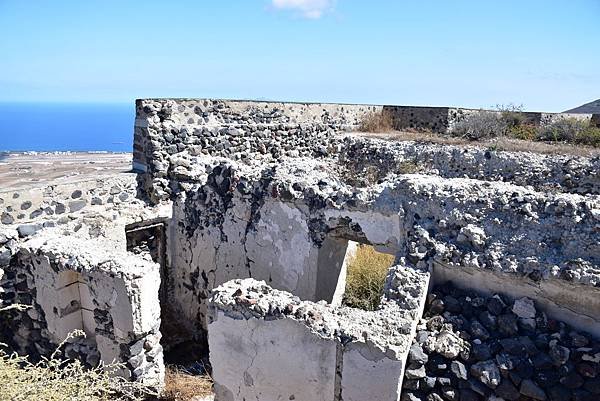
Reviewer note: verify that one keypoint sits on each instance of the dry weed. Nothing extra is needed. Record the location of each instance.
(57, 379)
(377, 122)
(366, 276)
(181, 385)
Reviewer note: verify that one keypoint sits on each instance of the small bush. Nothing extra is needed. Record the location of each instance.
(526, 132)
(590, 136)
(366, 276)
(56, 379)
(376, 122)
(571, 130)
(480, 125)
(512, 114)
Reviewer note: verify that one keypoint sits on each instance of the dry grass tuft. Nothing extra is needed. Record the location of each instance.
(366, 276)
(183, 386)
(56, 379)
(376, 122)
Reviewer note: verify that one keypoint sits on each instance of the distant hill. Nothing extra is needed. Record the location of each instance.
(591, 108)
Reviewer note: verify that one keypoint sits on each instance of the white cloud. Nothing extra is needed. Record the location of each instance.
(307, 8)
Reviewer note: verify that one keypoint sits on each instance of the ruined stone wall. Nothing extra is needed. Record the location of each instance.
(243, 222)
(271, 222)
(67, 262)
(378, 159)
(282, 343)
(168, 131)
(234, 129)
(72, 284)
(534, 239)
(54, 202)
(442, 119)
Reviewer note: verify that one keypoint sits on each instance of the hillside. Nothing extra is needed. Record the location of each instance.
(591, 108)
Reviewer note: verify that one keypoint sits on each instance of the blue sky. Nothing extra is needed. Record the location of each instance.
(542, 54)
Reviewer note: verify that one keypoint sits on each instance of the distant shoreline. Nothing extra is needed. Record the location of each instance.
(4, 153)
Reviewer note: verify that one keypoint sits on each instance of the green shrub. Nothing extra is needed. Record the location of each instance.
(527, 132)
(590, 136)
(366, 276)
(512, 114)
(570, 130)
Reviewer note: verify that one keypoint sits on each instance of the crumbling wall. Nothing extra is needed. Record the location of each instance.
(239, 130)
(282, 344)
(270, 222)
(554, 173)
(265, 223)
(70, 283)
(52, 203)
(441, 225)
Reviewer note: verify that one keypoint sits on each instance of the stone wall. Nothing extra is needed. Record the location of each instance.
(234, 129)
(268, 224)
(51, 204)
(377, 160)
(169, 131)
(68, 262)
(442, 119)
(76, 284)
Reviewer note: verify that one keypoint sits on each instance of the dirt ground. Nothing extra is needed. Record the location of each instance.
(27, 170)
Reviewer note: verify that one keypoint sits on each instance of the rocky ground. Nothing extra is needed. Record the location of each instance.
(474, 348)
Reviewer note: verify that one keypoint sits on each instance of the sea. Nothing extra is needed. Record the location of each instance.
(78, 127)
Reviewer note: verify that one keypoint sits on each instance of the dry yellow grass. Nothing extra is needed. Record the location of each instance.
(57, 379)
(54, 379)
(366, 275)
(377, 122)
(182, 386)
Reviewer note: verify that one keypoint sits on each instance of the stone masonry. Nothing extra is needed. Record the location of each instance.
(234, 236)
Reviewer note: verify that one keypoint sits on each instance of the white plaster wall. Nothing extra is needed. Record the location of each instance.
(338, 295)
(112, 294)
(277, 250)
(204, 254)
(281, 251)
(382, 231)
(368, 374)
(270, 361)
(58, 294)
